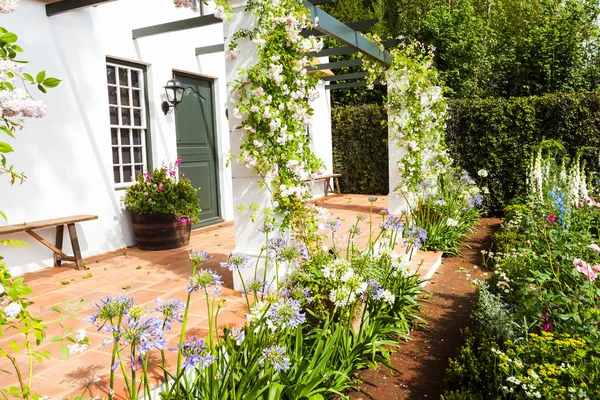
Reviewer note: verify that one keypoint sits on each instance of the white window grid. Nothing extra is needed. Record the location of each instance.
(128, 127)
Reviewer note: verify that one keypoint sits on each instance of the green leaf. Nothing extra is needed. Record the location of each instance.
(28, 77)
(9, 37)
(51, 82)
(42, 89)
(64, 352)
(17, 48)
(56, 339)
(5, 148)
(39, 78)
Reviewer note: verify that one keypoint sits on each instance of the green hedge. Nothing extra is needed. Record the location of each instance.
(495, 134)
(360, 150)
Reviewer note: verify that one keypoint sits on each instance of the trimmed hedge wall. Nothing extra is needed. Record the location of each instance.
(495, 134)
(360, 149)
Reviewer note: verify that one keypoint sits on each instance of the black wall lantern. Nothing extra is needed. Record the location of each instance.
(174, 90)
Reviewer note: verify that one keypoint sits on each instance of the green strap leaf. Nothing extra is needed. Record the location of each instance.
(5, 148)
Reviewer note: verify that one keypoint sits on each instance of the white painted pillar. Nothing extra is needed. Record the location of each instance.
(245, 180)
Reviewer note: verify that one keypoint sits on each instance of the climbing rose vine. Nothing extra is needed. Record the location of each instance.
(417, 114)
(273, 99)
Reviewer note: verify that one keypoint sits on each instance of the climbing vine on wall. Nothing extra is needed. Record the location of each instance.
(417, 114)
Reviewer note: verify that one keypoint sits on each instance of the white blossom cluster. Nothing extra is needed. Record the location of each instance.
(347, 285)
(8, 6)
(273, 99)
(17, 104)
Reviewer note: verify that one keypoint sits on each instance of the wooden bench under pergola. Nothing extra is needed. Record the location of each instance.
(328, 178)
(59, 223)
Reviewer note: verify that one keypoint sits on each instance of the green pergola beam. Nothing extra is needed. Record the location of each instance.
(346, 35)
(340, 51)
(357, 26)
(216, 48)
(350, 85)
(343, 77)
(64, 6)
(336, 65)
(189, 23)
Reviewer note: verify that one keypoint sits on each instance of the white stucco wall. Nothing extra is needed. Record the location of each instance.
(67, 155)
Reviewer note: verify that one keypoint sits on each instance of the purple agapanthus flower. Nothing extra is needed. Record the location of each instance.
(141, 335)
(372, 199)
(110, 308)
(276, 355)
(194, 352)
(171, 311)
(333, 225)
(204, 279)
(393, 223)
(384, 212)
(237, 260)
(199, 256)
(416, 237)
(286, 313)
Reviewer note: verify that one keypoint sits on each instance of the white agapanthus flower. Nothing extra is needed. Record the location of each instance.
(452, 222)
(13, 309)
(482, 173)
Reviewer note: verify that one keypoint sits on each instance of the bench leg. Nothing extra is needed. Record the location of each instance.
(60, 230)
(328, 188)
(75, 245)
(337, 186)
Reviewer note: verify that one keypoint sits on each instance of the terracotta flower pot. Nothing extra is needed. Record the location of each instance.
(159, 231)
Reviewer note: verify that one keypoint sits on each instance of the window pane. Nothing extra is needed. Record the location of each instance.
(114, 136)
(125, 137)
(137, 136)
(137, 154)
(126, 155)
(127, 174)
(112, 95)
(114, 117)
(137, 117)
(125, 97)
(136, 97)
(135, 80)
(117, 175)
(123, 78)
(125, 116)
(111, 75)
(138, 170)
(115, 155)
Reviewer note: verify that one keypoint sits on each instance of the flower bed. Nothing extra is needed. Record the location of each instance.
(535, 325)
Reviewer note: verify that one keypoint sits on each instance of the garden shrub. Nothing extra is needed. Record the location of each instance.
(360, 148)
(494, 134)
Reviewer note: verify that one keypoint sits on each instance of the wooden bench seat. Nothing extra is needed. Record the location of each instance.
(328, 187)
(59, 223)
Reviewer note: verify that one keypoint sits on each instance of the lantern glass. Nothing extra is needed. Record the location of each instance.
(174, 90)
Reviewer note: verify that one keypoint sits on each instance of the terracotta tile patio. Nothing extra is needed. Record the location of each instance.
(146, 276)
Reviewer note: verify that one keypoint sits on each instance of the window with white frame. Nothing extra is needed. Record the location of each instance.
(127, 109)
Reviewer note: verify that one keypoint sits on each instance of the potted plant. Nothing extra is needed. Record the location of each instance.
(163, 205)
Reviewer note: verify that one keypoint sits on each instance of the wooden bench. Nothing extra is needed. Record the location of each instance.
(59, 223)
(328, 187)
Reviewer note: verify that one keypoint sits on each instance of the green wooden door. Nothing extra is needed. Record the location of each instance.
(197, 146)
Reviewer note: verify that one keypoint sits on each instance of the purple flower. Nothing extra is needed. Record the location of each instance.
(204, 279)
(372, 199)
(237, 260)
(194, 352)
(393, 223)
(199, 256)
(171, 310)
(276, 356)
(385, 211)
(333, 225)
(266, 228)
(109, 309)
(286, 313)
(416, 237)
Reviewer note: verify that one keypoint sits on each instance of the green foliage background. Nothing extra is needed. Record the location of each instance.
(495, 134)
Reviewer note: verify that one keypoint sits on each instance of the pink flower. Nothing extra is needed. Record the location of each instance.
(145, 193)
(551, 218)
(182, 174)
(585, 269)
(594, 247)
(149, 198)
(546, 326)
(178, 161)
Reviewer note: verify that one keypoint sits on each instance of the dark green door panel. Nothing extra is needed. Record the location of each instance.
(197, 146)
